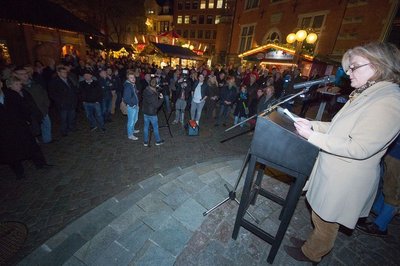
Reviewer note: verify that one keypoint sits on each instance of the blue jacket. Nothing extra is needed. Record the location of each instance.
(130, 95)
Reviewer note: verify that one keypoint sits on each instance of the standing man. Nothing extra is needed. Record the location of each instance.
(131, 99)
(227, 98)
(40, 98)
(107, 86)
(64, 94)
(92, 96)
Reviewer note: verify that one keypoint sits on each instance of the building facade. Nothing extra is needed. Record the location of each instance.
(159, 18)
(339, 25)
(205, 21)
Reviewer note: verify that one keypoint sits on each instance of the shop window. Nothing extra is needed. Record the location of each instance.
(4, 53)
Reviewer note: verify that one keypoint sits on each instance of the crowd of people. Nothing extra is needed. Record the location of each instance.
(38, 95)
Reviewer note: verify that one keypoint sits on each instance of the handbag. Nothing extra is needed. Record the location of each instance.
(123, 108)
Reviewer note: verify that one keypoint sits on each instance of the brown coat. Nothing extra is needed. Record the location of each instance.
(344, 181)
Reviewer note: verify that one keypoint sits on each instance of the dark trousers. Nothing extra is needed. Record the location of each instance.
(67, 120)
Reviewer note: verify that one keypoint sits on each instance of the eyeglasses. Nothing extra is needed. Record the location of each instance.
(353, 68)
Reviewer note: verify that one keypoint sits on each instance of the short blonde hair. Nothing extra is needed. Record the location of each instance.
(10, 81)
(384, 58)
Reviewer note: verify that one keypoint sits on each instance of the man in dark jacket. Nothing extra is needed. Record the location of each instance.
(227, 99)
(64, 95)
(152, 100)
(16, 140)
(106, 86)
(92, 96)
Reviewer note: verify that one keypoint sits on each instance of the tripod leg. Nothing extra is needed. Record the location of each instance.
(216, 206)
(232, 193)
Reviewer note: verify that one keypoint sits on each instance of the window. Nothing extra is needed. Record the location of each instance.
(209, 19)
(200, 34)
(179, 32)
(185, 33)
(309, 21)
(180, 5)
(207, 34)
(164, 26)
(210, 4)
(272, 36)
(187, 18)
(220, 3)
(214, 36)
(201, 19)
(179, 20)
(251, 4)
(195, 4)
(246, 38)
(217, 19)
(193, 20)
(192, 34)
(202, 4)
(187, 4)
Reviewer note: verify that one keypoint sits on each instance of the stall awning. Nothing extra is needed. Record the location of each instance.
(175, 51)
(272, 53)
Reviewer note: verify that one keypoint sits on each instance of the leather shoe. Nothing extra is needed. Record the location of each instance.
(371, 229)
(297, 242)
(297, 254)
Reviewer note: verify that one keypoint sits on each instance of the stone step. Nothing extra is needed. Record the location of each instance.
(162, 211)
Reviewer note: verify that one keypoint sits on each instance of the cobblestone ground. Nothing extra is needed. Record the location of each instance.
(91, 167)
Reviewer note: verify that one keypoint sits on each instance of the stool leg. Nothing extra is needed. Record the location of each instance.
(289, 207)
(244, 200)
(260, 175)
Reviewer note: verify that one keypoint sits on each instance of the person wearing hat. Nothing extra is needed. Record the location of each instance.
(92, 96)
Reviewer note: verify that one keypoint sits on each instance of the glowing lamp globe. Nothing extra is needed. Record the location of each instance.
(311, 38)
(291, 38)
(301, 35)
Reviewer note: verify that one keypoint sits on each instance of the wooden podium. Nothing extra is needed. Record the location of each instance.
(275, 145)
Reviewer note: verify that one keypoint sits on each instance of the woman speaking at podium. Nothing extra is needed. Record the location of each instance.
(345, 177)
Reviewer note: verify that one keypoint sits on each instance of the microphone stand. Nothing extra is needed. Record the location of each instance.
(232, 193)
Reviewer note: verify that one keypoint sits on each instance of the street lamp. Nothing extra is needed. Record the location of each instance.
(300, 36)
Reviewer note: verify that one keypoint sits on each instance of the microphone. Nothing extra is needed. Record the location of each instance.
(308, 84)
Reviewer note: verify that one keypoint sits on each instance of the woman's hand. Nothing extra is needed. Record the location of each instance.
(303, 127)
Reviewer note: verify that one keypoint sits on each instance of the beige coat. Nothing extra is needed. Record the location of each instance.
(345, 177)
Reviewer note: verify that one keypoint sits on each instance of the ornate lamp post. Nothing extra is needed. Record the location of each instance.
(299, 37)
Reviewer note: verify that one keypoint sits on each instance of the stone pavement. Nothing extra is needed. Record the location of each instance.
(96, 207)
